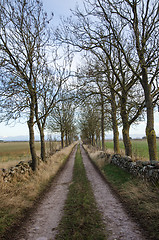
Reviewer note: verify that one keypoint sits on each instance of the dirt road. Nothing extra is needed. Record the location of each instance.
(42, 225)
(118, 223)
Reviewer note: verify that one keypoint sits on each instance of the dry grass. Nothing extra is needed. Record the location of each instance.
(11, 153)
(95, 155)
(143, 194)
(21, 193)
(140, 197)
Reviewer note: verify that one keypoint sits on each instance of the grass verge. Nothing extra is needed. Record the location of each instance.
(140, 198)
(19, 196)
(81, 219)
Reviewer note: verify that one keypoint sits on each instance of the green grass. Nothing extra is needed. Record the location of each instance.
(116, 175)
(139, 147)
(81, 218)
(6, 219)
(140, 198)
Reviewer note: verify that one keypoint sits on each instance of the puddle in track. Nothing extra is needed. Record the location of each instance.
(118, 223)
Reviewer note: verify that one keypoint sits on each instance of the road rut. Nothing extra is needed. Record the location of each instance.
(42, 225)
(119, 225)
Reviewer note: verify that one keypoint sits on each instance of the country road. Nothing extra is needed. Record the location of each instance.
(117, 222)
(43, 222)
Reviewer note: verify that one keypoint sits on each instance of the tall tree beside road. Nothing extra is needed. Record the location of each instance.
(48, 94)
(138, 24)
(23, 38)
(130, 27)
(89, 122)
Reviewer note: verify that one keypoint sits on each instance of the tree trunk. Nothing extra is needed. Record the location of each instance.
(126, 140)
(150, 132)
(102, 122)
(141, 50)
(126, 127)
(114, 123)
(41, 131)
(42, 140)
(116, 138)
(98, 138)
(66, 138)
(69, 140)
(92, 139)
(43, 149)
(62, 139)
(31, 138)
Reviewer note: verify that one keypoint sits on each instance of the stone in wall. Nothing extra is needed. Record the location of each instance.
(20, 169)
(145, 170)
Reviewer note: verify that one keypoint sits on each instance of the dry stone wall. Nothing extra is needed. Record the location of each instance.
(22, 168)
(146, 170)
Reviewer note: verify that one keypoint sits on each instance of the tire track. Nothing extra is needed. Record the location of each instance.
(42, 225)
(118, 224)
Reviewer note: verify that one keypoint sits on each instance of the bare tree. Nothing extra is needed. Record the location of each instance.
(61, 119)
(49, 94)
(23, 38)
(138, 24)
(130, 28)
(90, 83)
(89, 123)
(105, 84)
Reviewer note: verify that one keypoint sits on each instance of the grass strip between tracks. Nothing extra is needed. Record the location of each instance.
(81, 219)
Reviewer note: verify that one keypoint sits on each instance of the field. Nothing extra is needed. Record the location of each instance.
(140, 148)
(20, 194)
(13, 152)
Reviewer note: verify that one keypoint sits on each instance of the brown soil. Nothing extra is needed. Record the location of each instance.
(42, 225)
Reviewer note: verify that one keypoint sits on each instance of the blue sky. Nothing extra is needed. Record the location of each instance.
(20, 131)
(60, 7)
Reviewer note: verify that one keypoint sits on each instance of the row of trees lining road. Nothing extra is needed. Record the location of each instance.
(92, 122)
(30, 80)
(116, 83)
(91, 85)
(114, 97)
(123, 38)
(61, 120)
